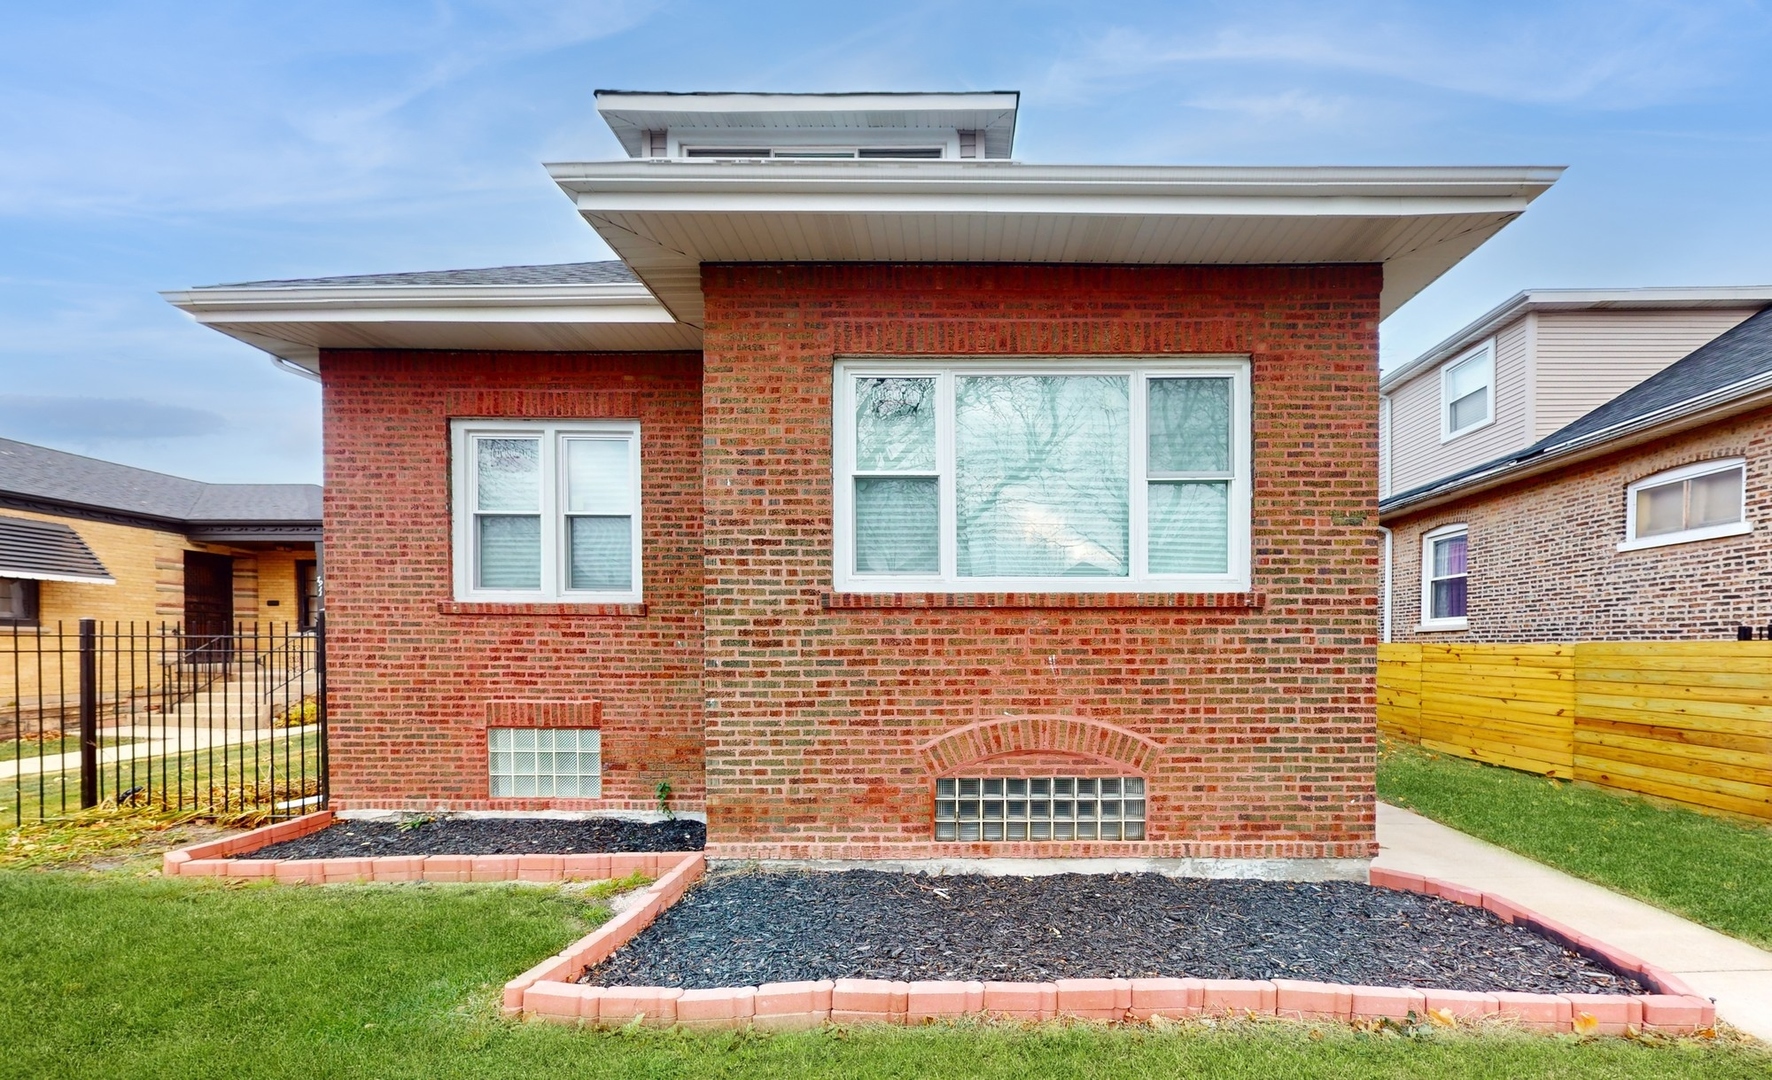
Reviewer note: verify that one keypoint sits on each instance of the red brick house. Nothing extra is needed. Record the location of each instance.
(1642, 520)
(889, 498)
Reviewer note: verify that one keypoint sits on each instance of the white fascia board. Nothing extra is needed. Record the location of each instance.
(1523, 303)
(594, 303)
(1404, 189)
(39, 575)
(611, 101)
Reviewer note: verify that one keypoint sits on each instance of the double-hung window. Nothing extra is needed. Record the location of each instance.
(1467, 392)
(1445, 578)
(1042, 476)
(547, 511)
(1695, 502)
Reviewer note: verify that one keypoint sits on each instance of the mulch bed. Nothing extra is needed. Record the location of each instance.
(749, 928)
(488, 836)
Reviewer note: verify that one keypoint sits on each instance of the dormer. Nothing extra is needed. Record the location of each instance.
(812, 127)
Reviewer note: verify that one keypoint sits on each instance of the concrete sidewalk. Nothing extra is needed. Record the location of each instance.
(1737, 976)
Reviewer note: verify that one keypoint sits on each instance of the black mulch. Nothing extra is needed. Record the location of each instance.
(748, 928)
(488, 836)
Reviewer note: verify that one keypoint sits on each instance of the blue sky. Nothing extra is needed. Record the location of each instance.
(154, 146)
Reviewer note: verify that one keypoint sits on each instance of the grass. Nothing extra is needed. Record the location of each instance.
(125, 974)
(229, 778)
(13, 749)
(1713, 870)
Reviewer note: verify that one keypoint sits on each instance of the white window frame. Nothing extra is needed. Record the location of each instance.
(1140, 370)
(1429, 624)
(554, 547)
(1632, 542)
(1485, 353)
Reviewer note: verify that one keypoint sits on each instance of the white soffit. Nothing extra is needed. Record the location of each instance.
(665, 218)
(294, 322)
(630, 114)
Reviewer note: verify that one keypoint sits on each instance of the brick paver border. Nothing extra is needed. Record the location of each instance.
(547, 992)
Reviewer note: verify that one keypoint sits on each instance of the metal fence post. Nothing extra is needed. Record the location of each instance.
(324, 755)
(88, 714)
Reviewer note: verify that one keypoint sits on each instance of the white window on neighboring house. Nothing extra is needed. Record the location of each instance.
(1467, 392)
(1042, 476)
(1445, 578)
(547, 511)
(1695, 502)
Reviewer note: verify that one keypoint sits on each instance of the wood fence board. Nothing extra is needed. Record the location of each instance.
(1690, 721)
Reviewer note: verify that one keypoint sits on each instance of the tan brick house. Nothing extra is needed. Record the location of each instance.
(1644, 519)
(82, 538)
(889, 498)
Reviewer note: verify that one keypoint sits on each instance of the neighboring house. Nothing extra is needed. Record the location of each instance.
(1535, 364)
(1646, 518)
(88, 539)
(889, 498)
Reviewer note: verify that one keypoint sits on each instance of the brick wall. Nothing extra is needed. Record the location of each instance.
(1545, 564)
(827, 725)
(415, 677)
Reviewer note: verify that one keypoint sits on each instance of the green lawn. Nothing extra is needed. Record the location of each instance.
(125, 974)
(1712, 870)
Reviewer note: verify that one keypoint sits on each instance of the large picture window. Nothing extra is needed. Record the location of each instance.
(1047, 477)
(1696, 502)
(547, 511)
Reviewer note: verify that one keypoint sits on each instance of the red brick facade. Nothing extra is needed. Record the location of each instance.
(1545, 564)
(827, 718)
(414, 679)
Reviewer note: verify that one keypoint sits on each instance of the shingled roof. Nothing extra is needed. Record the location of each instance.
(38, 478)
(1737, 363)
(584, 273)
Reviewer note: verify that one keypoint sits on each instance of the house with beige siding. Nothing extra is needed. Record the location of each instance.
(1535, 364)
(1648, 517)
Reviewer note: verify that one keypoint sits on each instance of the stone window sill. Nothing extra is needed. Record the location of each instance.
(836, 601)
(454, 607)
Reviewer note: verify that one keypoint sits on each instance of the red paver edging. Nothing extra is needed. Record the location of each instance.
(546, 991)
(215, 859)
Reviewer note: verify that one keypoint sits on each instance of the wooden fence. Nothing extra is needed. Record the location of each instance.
(1686, 720)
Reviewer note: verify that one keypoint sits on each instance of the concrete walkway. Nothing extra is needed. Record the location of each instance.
(1737, 976)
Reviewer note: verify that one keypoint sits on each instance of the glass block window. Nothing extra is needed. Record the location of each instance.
(544, 762)
(1040, 808)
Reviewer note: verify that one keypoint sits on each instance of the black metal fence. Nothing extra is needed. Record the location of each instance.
(231, 724)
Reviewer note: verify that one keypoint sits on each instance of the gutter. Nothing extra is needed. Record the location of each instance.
(1717, 404)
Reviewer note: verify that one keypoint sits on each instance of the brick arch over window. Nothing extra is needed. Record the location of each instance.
(1017, 734)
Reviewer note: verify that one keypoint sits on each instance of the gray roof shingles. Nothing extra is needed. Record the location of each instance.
(585, 273)
(53, 475)
(1731, 358)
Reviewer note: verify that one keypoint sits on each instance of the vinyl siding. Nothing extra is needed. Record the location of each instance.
(1587, 358)
(1416, 454)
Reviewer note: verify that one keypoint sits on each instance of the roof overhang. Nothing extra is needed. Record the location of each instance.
(293, 323)
(666, 218)
(1520, 304)
(1721, 404)
(632, 113)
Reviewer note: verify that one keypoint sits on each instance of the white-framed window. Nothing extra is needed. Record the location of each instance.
(1445, 578)
(547, 511)
(1694, 502)
(1467, 392)
(1042, 476)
